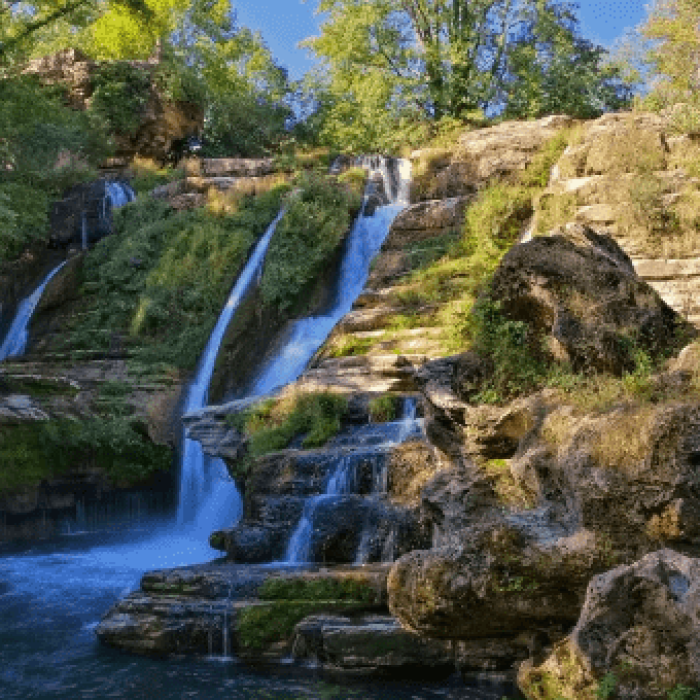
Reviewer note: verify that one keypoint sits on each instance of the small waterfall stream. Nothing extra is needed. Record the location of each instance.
(208, 497)
(364, 241)
(344, 480)
(15, 342)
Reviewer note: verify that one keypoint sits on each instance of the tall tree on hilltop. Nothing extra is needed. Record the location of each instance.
(452, 57)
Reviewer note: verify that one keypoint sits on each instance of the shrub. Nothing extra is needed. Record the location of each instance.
(273, 424)
(518, 359)
(385, 408)
(121, 93)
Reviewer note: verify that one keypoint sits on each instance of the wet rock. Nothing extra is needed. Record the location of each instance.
(371, 646)
(639, 623)
(249, 544)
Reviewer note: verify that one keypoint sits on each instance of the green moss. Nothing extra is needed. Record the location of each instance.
(272, 425)
(262, 625)
(339, 589)
(32, 453)
(385, 408)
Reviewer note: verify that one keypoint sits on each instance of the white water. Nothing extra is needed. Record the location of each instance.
(208, 498)
(15, 342)
(343, 482)
(364, 241)
(119, 193)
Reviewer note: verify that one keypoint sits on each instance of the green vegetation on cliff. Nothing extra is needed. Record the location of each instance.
(289, 601)
(157, 286)
(274, 424)
(307, 238)
(116, 446)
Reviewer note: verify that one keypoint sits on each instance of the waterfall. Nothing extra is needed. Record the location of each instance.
(343, 481)
(119, 193)
(84, 235)
(364, 241)
(15, 342)
(208, 496)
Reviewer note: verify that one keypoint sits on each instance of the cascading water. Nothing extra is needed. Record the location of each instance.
(119, 193)
(15, 342)
(366, 237)
(343, 481)
(208, 498)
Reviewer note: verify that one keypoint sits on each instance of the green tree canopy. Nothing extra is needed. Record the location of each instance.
(387, 58)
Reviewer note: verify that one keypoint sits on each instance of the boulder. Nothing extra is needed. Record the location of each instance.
(371, 646)
(578, 289)
(638, 634)
(493, 581)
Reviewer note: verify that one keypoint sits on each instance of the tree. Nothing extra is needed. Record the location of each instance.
(392, 58)
(673, 27)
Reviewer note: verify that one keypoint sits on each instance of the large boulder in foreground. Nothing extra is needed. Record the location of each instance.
(579, 290)
(638, 634)
(491, 582)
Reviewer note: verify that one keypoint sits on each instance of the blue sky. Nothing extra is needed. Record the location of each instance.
(284, 23)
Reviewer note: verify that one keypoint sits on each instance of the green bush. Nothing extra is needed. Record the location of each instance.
(272, 425)
(518, 364)
(121, 93)
(306, 239)
(43, 150)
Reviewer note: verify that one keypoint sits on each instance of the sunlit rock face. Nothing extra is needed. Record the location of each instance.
(638, 626)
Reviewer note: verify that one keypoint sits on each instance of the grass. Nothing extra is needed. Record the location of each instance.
(147, 175)
(272, 425)
(385, 408)
(307, 239)
(145, 284)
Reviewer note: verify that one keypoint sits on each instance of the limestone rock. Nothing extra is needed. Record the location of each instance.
(161, 124)
(491, 581)
(480, 155)
(372, 646)
(639, 623)
(16, 409)
(578, 287)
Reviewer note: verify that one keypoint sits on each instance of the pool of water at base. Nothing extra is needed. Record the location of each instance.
(53, 594)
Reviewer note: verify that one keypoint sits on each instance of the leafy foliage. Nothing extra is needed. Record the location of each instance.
(121, 93)
(43, 150)
(388, 63)
(308, 236)
(273, 425)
